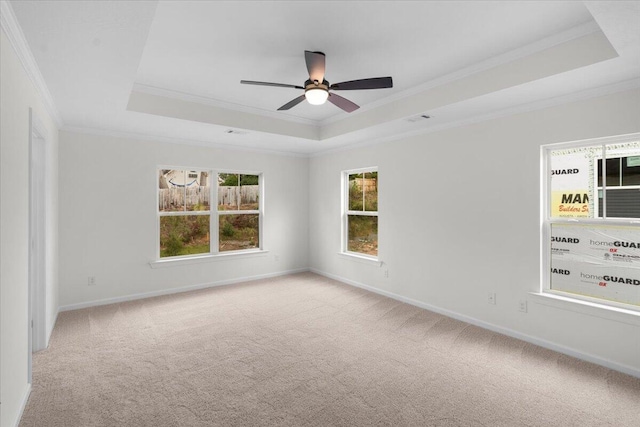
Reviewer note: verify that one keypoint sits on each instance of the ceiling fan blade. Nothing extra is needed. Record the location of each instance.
(292, 103)
(373, 83)
(251, 82)
(315, 65)
(343, 103)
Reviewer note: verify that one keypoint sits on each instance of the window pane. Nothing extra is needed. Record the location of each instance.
(622, 203)
(249, 192)
(228, 198)
(171, 190)
(596, 261)
(356, 202)
(572, 182)
(370, 186)
(239, 232)
(613, 172)
(197, 191)
(631, 170)
(228, 192)
(184, 235)
(228, 179)
(363, 234)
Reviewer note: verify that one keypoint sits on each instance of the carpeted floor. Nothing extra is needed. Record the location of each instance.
(303, 350)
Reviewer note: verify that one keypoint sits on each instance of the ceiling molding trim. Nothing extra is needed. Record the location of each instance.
(538, 46)
(505, 58)
(12, 29)
(511, 111)
(539, 105)
(181, 141)
(182, 96)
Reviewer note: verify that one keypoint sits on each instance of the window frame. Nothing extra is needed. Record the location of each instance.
(214, 215)
(547, 221)
(344, 238)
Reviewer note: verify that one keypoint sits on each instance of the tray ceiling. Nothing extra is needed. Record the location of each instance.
(172, 69)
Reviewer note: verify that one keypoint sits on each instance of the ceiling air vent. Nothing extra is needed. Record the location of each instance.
(418, 118)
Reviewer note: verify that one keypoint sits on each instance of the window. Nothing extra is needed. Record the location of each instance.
(591, 220)
(188, 225)
(360, 213)
(238, 212)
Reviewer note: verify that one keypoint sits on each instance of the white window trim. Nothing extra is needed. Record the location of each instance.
(198, 259)
(567, 302)
(344, 235)
(588, 305)
(361, 258)
(214, 253)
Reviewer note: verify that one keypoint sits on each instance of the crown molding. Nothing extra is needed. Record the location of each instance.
(519, 109)
(188, 97)
(530, 49)
(179, 141)
(14, 33)
(505, 58)
(506, 112)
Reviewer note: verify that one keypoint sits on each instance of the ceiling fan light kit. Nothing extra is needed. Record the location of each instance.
(316, 93)
(317, 89)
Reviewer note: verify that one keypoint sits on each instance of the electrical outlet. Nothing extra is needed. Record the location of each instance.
(491, 298)
(92, 280)
(522, 306)
(386, 273)
(276, 257)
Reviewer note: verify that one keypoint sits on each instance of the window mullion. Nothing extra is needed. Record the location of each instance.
(184, 213)
(238, 193)
(184, 190)
(620, 174)
(363, 192)
(363, 213)
(213, 220)
(604, 183)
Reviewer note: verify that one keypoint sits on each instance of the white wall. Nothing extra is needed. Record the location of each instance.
(459, 217)
(17, 95)
(108, 216)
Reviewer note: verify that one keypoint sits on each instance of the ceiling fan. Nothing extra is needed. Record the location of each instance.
(317, 89)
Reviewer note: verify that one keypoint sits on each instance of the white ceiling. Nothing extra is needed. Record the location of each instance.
(172, 69)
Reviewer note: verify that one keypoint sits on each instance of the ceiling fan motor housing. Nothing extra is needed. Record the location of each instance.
(314, 84)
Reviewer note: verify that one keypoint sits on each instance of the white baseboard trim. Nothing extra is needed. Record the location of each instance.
(486, 325)
(161, 292)
(50, 331)
(23, 405)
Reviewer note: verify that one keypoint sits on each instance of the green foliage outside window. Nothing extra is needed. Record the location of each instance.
(231, 179)
(362, 230)
(184, 235)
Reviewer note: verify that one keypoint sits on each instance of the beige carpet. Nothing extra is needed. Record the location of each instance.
(304, 350)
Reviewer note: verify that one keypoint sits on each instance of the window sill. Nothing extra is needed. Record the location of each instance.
(198, 259)
(361, 258)
(617, 314)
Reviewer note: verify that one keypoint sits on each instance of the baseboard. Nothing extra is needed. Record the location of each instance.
(50, 330)
(133, 297)
(23, 405)
(486, 325)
